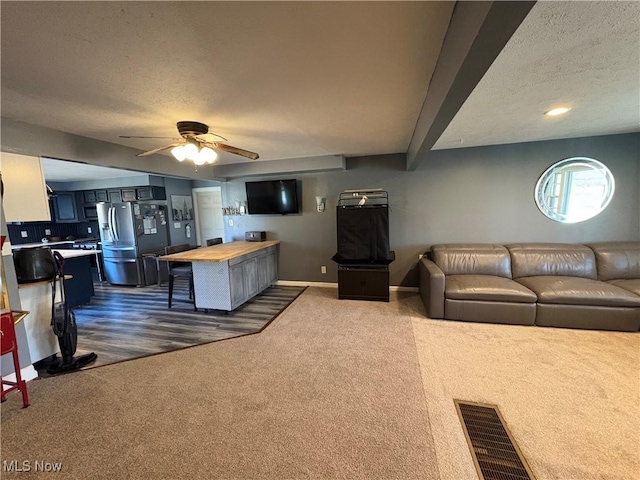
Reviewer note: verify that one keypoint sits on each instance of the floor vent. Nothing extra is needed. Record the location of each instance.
(494, 451)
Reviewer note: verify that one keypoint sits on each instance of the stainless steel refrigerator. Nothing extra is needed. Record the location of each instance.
(127, 231)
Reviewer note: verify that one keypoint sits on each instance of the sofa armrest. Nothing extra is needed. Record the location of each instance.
(431, 288)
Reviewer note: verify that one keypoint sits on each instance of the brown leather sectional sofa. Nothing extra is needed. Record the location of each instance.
(594, 286)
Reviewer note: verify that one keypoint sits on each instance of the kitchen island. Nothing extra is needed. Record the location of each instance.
(227, 275)
(78, 289)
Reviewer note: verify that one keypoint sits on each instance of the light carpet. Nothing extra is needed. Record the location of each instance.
(570, 397)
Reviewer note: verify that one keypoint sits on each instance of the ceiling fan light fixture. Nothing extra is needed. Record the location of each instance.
(199, 160)
(207, 154)
(190, 151)
(179, 153)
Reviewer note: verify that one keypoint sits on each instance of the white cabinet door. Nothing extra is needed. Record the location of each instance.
(25, 192)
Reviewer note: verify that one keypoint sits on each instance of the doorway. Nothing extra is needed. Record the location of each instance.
(207, 205)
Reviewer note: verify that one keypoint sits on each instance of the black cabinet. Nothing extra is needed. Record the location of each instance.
(363, 282)
(115, 196)
(89, 196)
(151, 193)
(78, 289)
(128, 194)
(101, 196)
(65, 208)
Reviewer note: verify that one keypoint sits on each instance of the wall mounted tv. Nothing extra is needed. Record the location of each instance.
(272, 196)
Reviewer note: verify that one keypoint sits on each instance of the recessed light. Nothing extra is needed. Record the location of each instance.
(557, 111)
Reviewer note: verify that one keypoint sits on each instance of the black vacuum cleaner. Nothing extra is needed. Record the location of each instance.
(64, 326)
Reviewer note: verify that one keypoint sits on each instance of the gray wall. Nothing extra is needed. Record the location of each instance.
(482, 194)
(174, 186)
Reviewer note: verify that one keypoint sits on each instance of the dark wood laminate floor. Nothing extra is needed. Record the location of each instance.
(123, 323)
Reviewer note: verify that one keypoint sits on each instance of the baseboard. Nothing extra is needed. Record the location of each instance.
(400, 288)
(297, 283)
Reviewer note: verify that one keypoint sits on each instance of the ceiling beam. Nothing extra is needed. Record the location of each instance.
(280, 167)
(477, 33)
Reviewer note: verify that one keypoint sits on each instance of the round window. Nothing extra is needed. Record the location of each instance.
(574, 189)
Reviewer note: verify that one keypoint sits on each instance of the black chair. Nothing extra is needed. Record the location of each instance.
(180, 269)
(214, 241)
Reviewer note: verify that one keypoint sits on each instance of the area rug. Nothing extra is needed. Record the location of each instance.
(125, 323)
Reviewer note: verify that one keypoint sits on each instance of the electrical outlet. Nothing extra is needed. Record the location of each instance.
(23, 234)
(47, 231)
(231, 222)
(323, 269)
(88, 229)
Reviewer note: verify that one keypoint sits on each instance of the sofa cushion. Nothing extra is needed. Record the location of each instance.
(579, 291)
(617, 260)
(472, 259)
(486, 288)
(537, 259)
(632, 285)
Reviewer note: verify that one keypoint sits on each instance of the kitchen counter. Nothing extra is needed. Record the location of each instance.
(48, 244)
(227, 275)
(40, 244)
(220, 252)
(76, 253)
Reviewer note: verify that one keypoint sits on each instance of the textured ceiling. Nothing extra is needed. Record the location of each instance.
(583, 55)
(283, 79)
(303, 79)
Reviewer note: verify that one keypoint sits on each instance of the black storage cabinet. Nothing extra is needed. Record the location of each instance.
(363, 255)
(363, 282)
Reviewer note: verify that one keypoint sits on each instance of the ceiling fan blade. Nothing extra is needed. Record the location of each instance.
(135, 136)
(156, 150)
(210, 137)
(236, 151)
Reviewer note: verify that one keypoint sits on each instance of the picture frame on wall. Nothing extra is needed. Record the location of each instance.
(182, 207)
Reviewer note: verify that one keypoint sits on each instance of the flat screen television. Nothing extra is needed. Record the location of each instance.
(272, 196)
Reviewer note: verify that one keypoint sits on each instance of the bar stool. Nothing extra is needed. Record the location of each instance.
(9, 344)
(214, 241)
(180, 269)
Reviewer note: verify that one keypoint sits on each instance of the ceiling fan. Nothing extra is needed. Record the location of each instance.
(196, 144)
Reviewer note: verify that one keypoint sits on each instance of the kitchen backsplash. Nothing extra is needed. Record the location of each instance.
(36, 231)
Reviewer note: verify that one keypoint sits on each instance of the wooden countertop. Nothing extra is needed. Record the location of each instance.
(219, 253)
(40, 283)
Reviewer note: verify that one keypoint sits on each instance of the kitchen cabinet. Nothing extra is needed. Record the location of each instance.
(115, 196)
(227, 275)
(128, 194)
(89, 196)
(65, 207)
(25, 192)
(151, 193)
(101, 196)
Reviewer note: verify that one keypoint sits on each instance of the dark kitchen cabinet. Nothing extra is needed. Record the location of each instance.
(128, 194)
(115, 196)
(89, 196)
(151, 193)
(101, 196)
(65, 207)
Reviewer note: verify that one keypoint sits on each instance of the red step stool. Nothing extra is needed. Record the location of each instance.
(9, 344)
